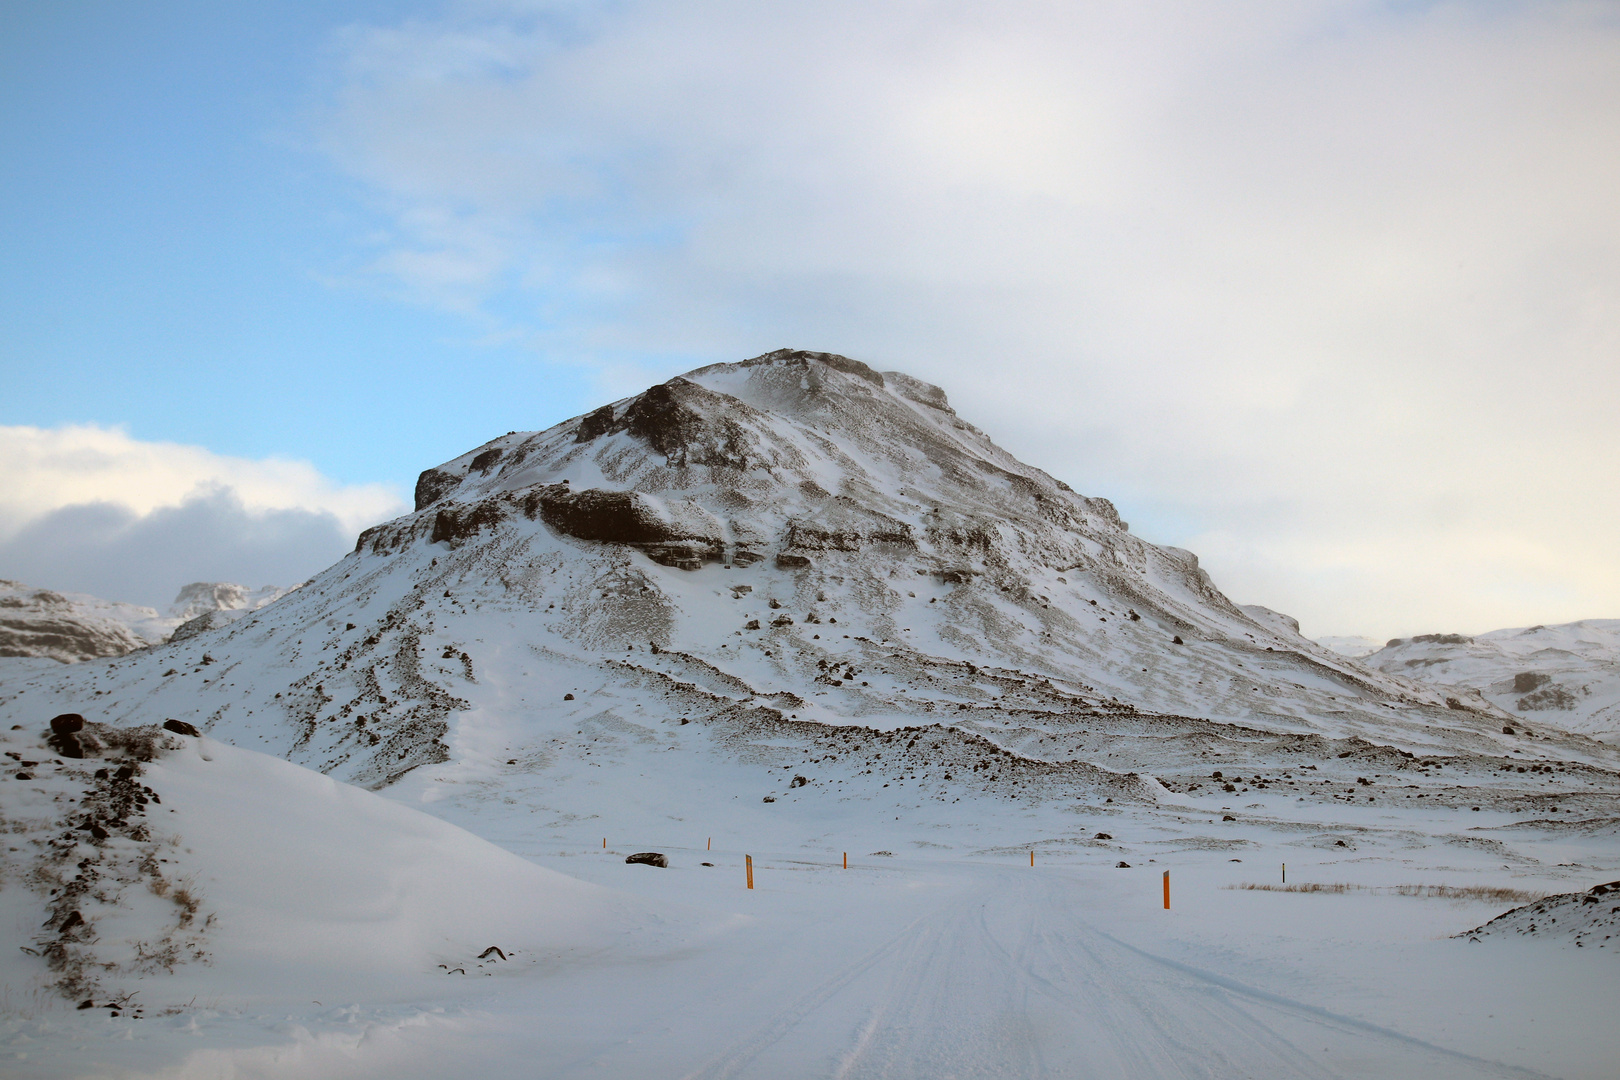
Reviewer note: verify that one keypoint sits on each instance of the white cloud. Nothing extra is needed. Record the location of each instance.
(1323, 289)
(89, 509)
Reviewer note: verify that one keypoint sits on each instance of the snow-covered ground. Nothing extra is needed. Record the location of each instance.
(1564, 676)
(794, 608)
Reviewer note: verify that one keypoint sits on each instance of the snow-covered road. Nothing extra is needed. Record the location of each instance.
(929, 968)
(1003, 978)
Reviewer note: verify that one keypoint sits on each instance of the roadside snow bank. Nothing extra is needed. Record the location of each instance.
(287, 885)
(319, 888)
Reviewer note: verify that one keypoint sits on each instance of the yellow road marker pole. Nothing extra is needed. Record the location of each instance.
(750, 859)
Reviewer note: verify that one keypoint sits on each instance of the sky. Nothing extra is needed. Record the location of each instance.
(1322, 291)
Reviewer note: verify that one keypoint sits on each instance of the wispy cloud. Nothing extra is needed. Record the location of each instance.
(1325, 290)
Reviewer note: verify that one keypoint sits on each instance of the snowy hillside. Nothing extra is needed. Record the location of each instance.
(1544, 676)
(71, 627)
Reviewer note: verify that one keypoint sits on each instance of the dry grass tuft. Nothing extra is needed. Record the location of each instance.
(1489, 893)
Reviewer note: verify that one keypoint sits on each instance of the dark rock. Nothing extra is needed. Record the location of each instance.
(87, 1004)
(433, 485)
(770, 798)
(491, 951)
(568, 697)
(1526, 681)
(180, 727)
(1177, 641)
(648, 858)
(798, 781)
(1454, 703)
(782, 620)
(1548, 697)
(1442, 639)
(1507, 730)
(595, 425)
(73, 919)
(1122, 865)
(745, 558)
(1228, 817)
(846, 526)
(67, 723)
(485, 461)
(460, 522)
(706, 864)
(1102, 836)
(784, 561)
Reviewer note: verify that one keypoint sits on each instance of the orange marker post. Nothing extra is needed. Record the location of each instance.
(604, 843)
(1285, 873)
(1032, 858)
(710, 845)
(750, 859)
(846, 860)
(1167, 890)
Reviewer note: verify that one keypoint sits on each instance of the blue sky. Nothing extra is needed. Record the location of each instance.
(1322, 291)
(176, 251)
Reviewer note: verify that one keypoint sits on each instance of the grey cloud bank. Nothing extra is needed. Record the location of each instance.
(108, 550)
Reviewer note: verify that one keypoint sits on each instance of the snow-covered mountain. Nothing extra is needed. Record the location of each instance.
(71, 627)
(1564, 676)
(797, 606)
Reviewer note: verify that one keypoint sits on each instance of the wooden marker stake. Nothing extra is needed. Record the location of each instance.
(1285, 873)
(710, 845)
(1167, 890)
(1032, 858)
(604, 843)
(846, 860)
(750, 859)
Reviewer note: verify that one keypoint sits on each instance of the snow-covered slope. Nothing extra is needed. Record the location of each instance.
(160, 866)
(1547, 676)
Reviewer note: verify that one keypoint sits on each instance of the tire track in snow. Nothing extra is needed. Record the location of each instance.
(1002, 981)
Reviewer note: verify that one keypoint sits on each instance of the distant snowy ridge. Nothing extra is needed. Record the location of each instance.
(72, 627)
(1354, 645)
(1564, 676)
